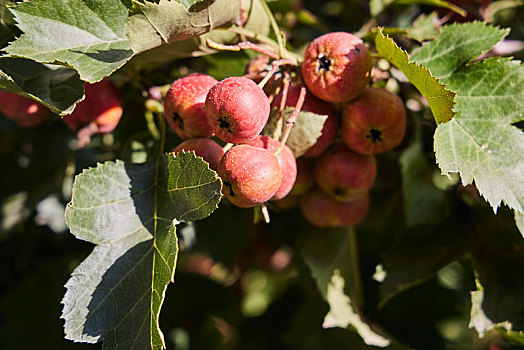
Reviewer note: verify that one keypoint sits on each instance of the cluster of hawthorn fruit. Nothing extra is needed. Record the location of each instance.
(332, 179)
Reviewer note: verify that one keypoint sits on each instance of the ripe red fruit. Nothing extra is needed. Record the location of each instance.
(323, 211)
(286, 160)
(208, 149)
(342, 173)
(99, 112)
(237, 109)
(251, 175)
(375, 122)
(317, 106)
(337, 66)
(184, 106)
(24, 111)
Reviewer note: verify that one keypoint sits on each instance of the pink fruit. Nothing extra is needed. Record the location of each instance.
(99, 112)
(314, 105)
(323, 211)
(24, 111)
(375, 122)
(343, 174)
(208, 149)
(251, 175)
(184, 106)
(286, 160)
(237, 109)
(337, 66)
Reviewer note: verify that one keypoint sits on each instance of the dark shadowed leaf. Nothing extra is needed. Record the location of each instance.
(59, 88)
(423, 201)
(328, 255)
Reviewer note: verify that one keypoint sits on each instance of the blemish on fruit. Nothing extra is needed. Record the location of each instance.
(230, 187)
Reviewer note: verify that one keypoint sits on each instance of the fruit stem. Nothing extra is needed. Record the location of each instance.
(227, 146)
(275, 66)
(265, 213)
(292, 119)
(243, 45)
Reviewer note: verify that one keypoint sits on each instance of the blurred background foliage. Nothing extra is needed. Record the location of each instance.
(247, 286)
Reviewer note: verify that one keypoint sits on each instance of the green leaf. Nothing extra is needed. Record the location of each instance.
(59, 88)
(457, 45)
(89, 35)
(480, 143)
(303, 135)
(130, 212)
(439, 98)
(423, 202)
(152, 25)
(328, 256)
(425, 27)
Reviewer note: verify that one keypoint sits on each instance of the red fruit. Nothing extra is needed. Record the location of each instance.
(305, 176)
(337, 66)
(237, 109)
(251, 175)
(286, 160)
(184, 106)
(343, 174)
(323, 211)
(208, 149)
(99, 112)
(375, 122)
(314, 105)
(24, 111)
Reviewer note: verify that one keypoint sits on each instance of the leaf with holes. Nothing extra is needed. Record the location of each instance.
(130, 212)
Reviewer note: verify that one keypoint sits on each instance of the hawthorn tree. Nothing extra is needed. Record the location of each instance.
(261, 174)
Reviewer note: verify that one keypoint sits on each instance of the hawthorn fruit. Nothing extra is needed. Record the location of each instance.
(208, 149)
(336, 66)
(250, 175)
(237, 109)
(184, 106)
(375, 122)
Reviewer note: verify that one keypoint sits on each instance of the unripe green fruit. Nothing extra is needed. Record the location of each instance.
(286, 160)
(251, 175)
(237, 109)
(184, 106)
(375, 122)
(323, 211)
(343, 174)
(208, 149)
(337, 66)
